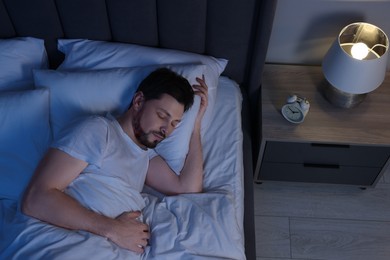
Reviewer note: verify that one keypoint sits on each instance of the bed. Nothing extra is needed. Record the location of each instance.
(57, 59)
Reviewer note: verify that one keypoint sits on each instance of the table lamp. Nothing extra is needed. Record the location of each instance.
(355, 64)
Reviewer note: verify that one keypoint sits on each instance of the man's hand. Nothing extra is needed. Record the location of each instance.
(202, 91)
(128, 232)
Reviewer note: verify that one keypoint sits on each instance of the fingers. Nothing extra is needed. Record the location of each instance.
(130, 215)
(134, 214)
(133, 234)
(140, 245)
(142, 242)
(201, 89)
(201, 80)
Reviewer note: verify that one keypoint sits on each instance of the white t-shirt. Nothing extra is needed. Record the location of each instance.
(101, 142)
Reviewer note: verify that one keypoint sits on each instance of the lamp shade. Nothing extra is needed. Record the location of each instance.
(350, 72)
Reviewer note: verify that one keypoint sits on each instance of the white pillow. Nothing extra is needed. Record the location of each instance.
(87, 54)
(74, 94)
(18, 57)
(24, 138)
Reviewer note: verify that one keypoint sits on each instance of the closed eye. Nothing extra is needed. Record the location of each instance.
(161, 115)
(166, 117)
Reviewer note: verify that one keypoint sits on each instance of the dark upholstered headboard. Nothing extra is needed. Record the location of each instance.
(237, 30)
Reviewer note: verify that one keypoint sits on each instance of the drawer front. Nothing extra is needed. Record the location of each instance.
(363, 176)
(332, 154)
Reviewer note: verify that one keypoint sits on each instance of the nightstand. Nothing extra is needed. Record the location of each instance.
(333, 145)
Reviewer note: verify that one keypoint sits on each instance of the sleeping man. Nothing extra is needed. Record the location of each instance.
(110, 154)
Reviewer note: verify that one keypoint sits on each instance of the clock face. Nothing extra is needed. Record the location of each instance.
(292, 113)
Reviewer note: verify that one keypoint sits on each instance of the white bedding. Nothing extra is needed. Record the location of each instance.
(208, 225)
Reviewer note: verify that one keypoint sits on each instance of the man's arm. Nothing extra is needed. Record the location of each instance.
(44, 199)
(162, 178)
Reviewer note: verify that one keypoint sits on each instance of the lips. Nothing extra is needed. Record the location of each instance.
(159, 136)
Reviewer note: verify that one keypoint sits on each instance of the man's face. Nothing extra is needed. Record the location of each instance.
(156, 120)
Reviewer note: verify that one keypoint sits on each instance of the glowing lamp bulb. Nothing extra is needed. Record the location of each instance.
(359, 50)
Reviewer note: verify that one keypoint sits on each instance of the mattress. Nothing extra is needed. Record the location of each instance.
(206, 225)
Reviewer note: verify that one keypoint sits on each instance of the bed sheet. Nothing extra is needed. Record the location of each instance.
(223, 147)
(207, 225)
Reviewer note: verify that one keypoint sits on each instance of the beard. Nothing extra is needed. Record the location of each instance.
(143, 136)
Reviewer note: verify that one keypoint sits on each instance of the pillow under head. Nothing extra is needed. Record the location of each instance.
(83, 54)
(76, 94)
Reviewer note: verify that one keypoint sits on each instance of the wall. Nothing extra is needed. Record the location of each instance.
(303, 30)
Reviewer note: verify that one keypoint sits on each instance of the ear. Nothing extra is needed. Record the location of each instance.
(138, 100)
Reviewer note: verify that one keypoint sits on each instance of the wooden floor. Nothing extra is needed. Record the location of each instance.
(314, 221)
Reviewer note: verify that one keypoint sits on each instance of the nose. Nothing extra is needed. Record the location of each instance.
(166, 129)
(163, 131)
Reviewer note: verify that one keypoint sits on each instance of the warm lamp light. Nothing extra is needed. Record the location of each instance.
(355, 64)
(359, 50)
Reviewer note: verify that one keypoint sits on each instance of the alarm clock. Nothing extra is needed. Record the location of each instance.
(295, 109)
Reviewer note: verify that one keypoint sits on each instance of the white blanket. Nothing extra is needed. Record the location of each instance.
(191, 226)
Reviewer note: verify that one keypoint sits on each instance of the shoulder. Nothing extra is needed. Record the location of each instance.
(87, 123)
(91, 121)
(90, 127)
(85, 139)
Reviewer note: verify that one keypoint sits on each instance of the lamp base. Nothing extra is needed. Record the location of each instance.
(340, 98)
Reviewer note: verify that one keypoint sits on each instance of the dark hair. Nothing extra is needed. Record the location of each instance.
(165, 81)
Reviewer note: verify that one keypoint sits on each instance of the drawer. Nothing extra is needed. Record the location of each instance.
(332, 154)
(363, 176)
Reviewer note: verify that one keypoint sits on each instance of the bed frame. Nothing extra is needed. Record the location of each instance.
(237, 30)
